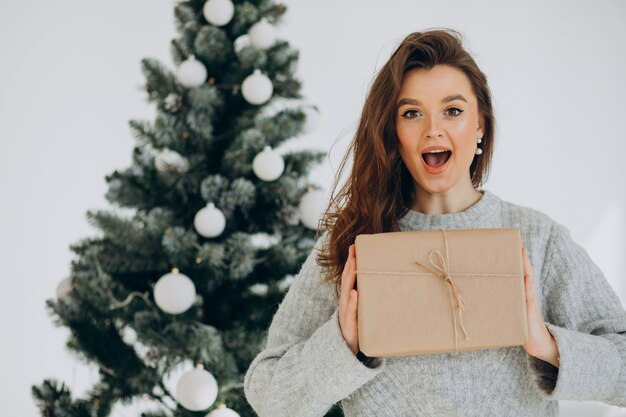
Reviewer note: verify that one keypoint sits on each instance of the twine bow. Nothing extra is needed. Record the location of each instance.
(442, 265)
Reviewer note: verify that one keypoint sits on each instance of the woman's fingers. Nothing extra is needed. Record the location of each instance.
(529, 280)
(347, 277)
(344, 297)
(352, 268)
(528, 269)
(348, 302)
(354, 302)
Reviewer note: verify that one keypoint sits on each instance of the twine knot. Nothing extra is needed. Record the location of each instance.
(442, 267)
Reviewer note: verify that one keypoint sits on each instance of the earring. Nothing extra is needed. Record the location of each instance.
(478, 150)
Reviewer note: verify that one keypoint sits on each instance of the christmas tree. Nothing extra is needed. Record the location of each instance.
(209, 224)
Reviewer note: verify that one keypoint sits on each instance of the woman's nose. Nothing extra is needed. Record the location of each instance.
(433, 128)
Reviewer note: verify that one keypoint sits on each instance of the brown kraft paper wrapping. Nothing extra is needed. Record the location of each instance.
(406, 306)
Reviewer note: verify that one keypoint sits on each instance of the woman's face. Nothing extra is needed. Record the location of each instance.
(437, 110)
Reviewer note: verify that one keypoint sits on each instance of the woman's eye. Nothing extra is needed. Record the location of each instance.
(455, 109)
(409, 112)
(412, 114)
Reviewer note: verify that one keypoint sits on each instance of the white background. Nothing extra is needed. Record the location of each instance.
(70, 80)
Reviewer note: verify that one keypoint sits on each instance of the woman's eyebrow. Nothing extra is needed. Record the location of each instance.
(444, 100)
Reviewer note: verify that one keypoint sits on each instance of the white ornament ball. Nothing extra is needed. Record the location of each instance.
(268, 164)
(196, 390)
(241, 42)
(257, 88)
(222, 412)
(191, 73)
(311, 119)
(262, 34)
(218, 12)
(168, 160)
(311, 207)
(209, 221)
(174, 293)
(64, 288)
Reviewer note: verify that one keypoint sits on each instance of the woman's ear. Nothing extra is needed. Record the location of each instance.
(480, 130)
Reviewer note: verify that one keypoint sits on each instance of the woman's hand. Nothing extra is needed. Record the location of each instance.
(348, 303)
(541, 343)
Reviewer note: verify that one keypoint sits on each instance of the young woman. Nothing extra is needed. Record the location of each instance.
(422, 150)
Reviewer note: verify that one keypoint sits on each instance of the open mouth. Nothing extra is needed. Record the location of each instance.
(435, 159)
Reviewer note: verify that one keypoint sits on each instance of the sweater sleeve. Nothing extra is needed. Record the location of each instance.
(588, 322)
(306, 365)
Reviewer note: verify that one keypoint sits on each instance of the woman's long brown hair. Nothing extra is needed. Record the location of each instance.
(379, 189)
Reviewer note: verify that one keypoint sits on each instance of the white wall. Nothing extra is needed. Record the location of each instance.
(69, 83)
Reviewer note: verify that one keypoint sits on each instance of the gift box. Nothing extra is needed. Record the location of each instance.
(433, 291)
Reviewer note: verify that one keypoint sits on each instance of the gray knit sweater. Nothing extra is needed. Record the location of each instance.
(307, 366)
